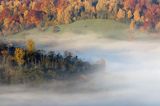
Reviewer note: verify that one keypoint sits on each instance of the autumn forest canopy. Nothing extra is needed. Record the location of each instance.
(84, 52)
(17, 15)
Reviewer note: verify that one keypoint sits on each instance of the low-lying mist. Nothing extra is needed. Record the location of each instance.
(131, 76)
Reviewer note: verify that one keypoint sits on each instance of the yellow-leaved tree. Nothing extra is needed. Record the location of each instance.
(16, 3)
(126, 4)
(132, 25)
(88, 6)
(6, 23)
(1, 8)
(120, 14)
(158, 26)
(19, 56)
(112, 5)
(101, 5)
(137, 15)
(30, 45)
(129, 14)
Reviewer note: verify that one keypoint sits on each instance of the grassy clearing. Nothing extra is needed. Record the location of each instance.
(107, 28)
(102, 28)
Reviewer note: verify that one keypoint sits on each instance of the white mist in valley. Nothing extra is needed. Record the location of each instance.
(131, 76)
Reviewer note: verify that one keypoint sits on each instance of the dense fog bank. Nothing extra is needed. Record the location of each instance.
(131, 76)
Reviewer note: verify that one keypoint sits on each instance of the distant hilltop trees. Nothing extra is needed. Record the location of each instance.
(17, 15)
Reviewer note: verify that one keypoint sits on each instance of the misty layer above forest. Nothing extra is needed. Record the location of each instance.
(18, 15)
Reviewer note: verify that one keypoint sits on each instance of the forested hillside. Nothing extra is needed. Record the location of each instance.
(17, 15)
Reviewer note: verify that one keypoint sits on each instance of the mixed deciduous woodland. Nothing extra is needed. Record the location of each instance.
(17, 15)
(25, 65)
